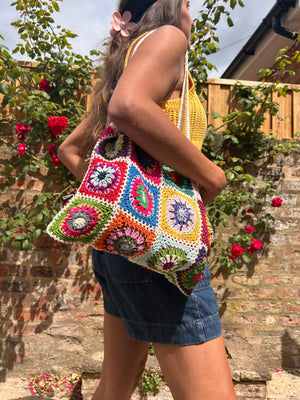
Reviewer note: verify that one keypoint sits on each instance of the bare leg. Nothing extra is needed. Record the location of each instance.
(197, 371)
(124, 362)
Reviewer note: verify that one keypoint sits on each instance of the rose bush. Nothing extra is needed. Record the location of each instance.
(238, 146)
(44, 103)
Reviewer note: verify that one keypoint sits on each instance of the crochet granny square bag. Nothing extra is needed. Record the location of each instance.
(129, 204)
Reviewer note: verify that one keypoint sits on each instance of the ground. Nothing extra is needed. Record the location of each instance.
(285, 385)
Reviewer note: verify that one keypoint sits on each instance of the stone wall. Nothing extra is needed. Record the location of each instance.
(51, 309)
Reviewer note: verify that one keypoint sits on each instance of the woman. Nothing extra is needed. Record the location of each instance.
(141, 306)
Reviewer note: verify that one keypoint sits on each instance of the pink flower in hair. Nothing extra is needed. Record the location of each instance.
(121, 23)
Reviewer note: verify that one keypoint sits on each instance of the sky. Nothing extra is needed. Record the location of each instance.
(90, 20)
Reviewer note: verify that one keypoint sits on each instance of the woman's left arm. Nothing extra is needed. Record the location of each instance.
(73, 151)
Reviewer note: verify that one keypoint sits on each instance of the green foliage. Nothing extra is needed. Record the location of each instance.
(151, 350)
(245, 152)
(283, 61)
(204, 40)
(149, 383)
(69, 78)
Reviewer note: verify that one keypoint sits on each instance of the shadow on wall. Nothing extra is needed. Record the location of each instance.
(290, 352)
(31, 294)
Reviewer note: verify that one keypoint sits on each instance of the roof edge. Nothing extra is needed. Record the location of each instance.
(281, 7)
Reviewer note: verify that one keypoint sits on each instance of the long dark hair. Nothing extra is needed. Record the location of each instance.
(160, 12)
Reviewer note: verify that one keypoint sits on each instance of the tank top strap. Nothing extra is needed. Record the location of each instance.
(135, 44)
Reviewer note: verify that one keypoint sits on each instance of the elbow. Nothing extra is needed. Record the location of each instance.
(61, 152)
(218, 183)
(221, 180)
(122, 111)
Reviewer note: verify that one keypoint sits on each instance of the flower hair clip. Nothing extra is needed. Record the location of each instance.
(121, 23)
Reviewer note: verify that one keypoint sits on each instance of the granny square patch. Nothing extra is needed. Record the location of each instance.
(140, 198)
(126, 237)
(180, 216)
(177, 181)
(82, 220)
(104, 180)
(188, 278)
(149, 167)
(113, 145)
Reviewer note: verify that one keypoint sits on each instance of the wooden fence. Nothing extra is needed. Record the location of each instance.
(220, 100)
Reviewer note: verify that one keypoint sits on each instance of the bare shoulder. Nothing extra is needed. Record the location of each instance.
(171, 34)
(166, 40)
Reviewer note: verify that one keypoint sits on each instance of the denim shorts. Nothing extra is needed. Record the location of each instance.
(152, 308)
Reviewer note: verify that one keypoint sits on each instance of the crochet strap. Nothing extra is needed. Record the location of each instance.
(184, 104)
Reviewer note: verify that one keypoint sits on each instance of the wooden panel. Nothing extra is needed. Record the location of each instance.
(282, 127)
(296, 113)
(218, 102)
(267, 124)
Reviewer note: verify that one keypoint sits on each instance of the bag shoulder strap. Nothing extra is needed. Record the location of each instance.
(184, 112)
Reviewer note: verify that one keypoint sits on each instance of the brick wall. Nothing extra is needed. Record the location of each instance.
(262, 302)
(292, 53)
(51, 308)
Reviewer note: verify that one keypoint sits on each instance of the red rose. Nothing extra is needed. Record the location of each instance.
(52, 148)
(22, 148)
(276, 202)
(256, 245)
(55, 160)
(44, 86)
(236, 251)
(22, 129)
(57, 125)
(249, 229)
(250, 211)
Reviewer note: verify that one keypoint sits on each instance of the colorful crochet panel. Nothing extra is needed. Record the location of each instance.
(129, 204)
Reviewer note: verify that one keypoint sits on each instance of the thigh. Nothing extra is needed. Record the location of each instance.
(197, 371)
(124, 361)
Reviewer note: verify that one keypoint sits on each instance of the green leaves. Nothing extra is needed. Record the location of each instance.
(4, 88)
(68, 78)
(55, 6)
(204, 40)
(229, 22)
(149, 383)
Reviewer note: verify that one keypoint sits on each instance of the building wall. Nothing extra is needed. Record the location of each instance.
(260, 53)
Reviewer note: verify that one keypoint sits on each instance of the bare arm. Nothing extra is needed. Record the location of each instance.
(150, 78)
(73, 151)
